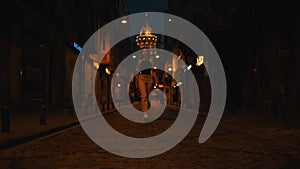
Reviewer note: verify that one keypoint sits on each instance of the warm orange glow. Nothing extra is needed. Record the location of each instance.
(96, 65)
(146, 38)
(107, 71)
(200, 60)
(146, 30)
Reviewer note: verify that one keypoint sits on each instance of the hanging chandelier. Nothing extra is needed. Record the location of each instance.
(146, 39)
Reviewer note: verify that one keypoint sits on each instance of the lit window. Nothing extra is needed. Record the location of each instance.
(200, 60)
(96, 65)
(107, 71)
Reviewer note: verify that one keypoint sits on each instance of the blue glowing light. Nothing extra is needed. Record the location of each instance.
(77, 47)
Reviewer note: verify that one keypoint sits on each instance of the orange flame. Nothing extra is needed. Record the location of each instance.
(146, 30)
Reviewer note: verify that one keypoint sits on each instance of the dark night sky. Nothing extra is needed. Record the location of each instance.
(135, 6)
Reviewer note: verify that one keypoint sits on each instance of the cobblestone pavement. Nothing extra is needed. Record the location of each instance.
(233, 145)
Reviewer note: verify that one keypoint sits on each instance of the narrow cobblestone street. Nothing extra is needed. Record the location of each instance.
(159, 72)
(232, 146)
